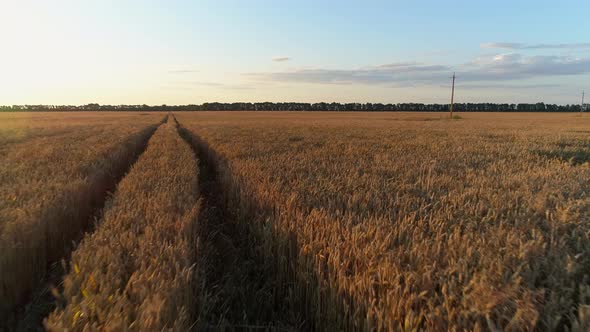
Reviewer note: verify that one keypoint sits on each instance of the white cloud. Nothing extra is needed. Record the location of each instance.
(281, 58)
(208, 84)
(499, 67)
(182, 71)
(522, 46)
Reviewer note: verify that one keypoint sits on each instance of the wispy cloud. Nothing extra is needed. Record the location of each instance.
(191, 84)
(182, 71)
(522, 46)
(212, 84)
(387, 73)
(514, 66)
(470, 86)
(281, 58)
(499, 67)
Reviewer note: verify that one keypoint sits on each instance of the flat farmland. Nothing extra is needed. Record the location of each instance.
(23, 126)
(55, 169)
(394, 221)
(299, 220)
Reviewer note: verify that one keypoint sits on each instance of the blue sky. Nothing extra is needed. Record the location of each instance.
(177, 52)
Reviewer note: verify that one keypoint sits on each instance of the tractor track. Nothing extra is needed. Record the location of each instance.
(237, 295)
(29, 316)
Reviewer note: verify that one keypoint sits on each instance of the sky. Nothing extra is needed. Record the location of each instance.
(191, 52)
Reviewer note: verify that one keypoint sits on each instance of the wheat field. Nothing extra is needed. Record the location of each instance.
(411, 221)
(299, 220)
(137, 268)
(54, 171)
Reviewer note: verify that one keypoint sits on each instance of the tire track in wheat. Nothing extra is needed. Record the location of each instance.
(26, 312)
(237, 293)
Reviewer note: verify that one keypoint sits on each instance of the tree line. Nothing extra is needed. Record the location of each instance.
(319, 107)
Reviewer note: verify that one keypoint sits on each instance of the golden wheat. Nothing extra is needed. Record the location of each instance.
(22, 126)
(51, 182)
(381, 221)
(135, 272)
(393, 221)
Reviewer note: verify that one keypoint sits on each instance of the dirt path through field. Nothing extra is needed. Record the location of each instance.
(30, 316)
(236, 293)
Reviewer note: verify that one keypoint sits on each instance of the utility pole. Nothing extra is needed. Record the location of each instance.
(452, 94)
(582, 107)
